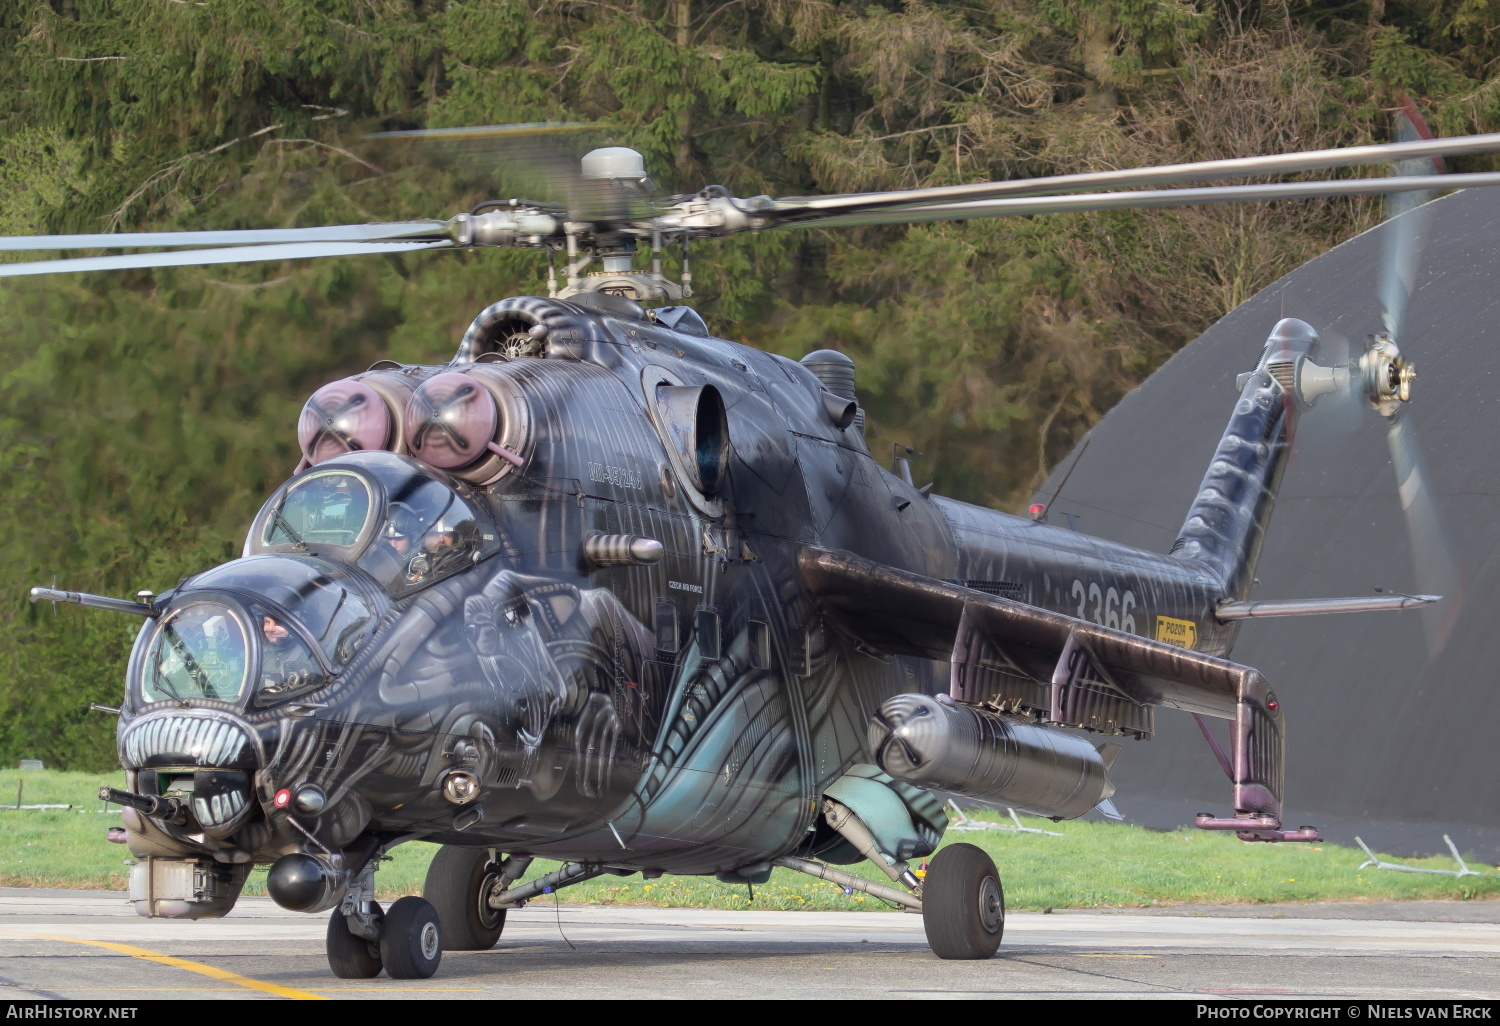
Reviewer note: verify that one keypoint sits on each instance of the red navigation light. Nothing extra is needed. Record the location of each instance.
(1036, 509)
(283, 798)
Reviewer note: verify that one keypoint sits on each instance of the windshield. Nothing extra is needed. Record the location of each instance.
(199, 651)
(322, 507)
(317, 593)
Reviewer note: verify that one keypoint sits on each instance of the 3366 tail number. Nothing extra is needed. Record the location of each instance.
(1105, 606)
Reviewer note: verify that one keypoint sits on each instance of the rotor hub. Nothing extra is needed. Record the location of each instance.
(1387, 376)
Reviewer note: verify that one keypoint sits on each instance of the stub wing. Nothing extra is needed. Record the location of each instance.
(1059, 669)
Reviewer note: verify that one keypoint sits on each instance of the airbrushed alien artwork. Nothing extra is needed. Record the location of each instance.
(607, 589)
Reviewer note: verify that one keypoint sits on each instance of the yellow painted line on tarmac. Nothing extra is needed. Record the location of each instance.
(234, 990)
(214, 972)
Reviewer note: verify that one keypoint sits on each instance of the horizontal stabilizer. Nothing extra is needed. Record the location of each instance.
(1312, 607)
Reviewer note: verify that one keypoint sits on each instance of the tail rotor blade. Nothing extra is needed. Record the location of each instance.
(1403, 252)
(1407, 219)
(1437, 572)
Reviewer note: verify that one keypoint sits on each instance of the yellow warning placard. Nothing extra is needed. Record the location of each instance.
(1182, 633)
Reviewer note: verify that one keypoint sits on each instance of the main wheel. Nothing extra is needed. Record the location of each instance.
(963, 905)
(458, 882)
(350, 956)
(411, 942)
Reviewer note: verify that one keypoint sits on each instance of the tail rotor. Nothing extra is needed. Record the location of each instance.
(1385, 379)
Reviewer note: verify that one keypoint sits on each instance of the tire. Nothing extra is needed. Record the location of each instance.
(963, 904)
(411, 943)
(457, 882)
(350, 956)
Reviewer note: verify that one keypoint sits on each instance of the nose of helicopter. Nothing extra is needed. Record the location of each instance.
(203, 758)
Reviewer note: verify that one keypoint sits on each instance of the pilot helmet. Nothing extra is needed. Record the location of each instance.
(401, 523)
(442, 534)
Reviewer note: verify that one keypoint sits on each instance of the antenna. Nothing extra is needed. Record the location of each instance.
(1038, 510)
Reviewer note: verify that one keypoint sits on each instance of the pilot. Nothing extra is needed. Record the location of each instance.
(285, 663)
(401, 525)
(448, 541)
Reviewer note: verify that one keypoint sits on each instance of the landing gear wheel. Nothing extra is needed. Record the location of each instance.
(458, 882)
(411, 942)
(350, 956)
(963, 905)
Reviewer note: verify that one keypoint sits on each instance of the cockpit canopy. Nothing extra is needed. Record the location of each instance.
(285, 625)
(399, 521)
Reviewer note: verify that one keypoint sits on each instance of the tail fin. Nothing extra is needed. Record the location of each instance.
(1227, 523)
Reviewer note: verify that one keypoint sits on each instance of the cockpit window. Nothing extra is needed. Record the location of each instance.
(429, 532)
(323, 507)
(318, 595)
(407, 526)
(288, 667)
(199, 651)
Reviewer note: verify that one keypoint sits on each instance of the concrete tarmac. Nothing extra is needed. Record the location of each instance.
(90, 946)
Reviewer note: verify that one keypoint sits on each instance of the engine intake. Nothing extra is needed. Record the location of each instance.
(355, 414)
(474, 423)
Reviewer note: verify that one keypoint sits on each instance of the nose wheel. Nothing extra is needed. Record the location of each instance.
(411, 942)
(410, 945)
(963, 904)
(350, 956)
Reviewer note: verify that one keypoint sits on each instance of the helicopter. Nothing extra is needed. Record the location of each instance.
(607, 589)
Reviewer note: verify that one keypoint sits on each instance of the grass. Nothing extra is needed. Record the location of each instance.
(1093, 864)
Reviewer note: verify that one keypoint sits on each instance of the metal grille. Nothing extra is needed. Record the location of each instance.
(1004, 589)
(204, 740)
(1284, 371)
(1083, 696)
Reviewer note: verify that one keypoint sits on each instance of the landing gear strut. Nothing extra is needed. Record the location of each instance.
(960, 898)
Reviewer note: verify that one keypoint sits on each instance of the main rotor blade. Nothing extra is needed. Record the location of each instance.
(204, 257)
(249, 237)
(802, 208)
(1436, 571)
(536, 158)
(1147, 198)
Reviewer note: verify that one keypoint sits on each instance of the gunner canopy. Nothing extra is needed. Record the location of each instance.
(389, 515)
